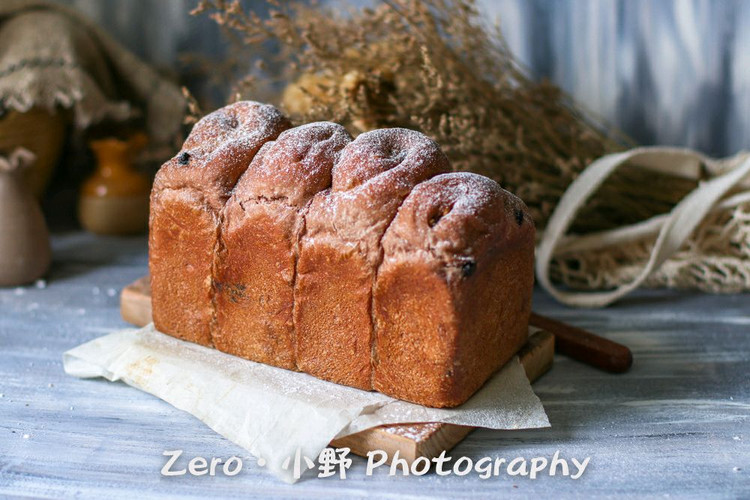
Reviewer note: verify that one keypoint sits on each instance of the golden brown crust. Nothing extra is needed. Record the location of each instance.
(415, 332)
(182, 232)
(453, 294)
(360, 262)
(256, 263)
(189, 192)
(340, 250)
(331, 284)
(253, 281)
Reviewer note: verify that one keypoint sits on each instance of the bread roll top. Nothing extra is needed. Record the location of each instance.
(219, 149)
(457, 218)
(294, 167)
(374, 174)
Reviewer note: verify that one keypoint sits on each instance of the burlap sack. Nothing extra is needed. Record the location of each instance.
(51, 56)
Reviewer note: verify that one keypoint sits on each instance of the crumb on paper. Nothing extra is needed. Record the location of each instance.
(41, 284)
(19, 291)
(111, 292)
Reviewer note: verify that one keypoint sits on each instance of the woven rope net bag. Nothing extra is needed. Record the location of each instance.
(702, 243)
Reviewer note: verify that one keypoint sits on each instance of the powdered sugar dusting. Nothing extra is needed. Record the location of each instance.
(245, 121)
(378, 152)
(415, 432)
(219, 149)
(373, 176)
(295, 166)
(467, 193)
(454, 217)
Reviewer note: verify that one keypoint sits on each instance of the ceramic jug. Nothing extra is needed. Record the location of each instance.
(25, 252)
(114, 200)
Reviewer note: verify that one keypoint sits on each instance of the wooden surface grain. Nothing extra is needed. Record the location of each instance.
(677, 424)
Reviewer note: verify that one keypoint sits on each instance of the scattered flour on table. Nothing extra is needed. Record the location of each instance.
(416, 432)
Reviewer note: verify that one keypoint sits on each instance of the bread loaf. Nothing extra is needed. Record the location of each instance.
(189, 192)
(361, 262)
(340, 250)
(256, 261)
(453, 294)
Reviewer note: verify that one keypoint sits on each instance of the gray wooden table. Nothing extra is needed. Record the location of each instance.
(676, 425)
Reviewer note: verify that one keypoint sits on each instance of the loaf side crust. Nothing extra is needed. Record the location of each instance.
(453, 293)
(340, 250)
(189, 192)
(257, 259)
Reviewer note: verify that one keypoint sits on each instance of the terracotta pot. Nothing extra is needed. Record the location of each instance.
(114, 200)
(25, 253)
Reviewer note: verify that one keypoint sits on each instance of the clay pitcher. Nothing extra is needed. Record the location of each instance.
(25, 252)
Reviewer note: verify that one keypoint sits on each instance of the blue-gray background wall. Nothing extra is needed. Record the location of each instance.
(671, 72)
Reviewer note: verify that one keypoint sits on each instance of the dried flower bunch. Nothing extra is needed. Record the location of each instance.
(432, 65)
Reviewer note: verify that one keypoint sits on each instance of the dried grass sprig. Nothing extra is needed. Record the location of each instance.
(434, 66)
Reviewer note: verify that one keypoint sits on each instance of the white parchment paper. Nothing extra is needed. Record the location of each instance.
(273, 412)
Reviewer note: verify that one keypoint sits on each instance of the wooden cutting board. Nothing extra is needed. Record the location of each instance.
(410, 440)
